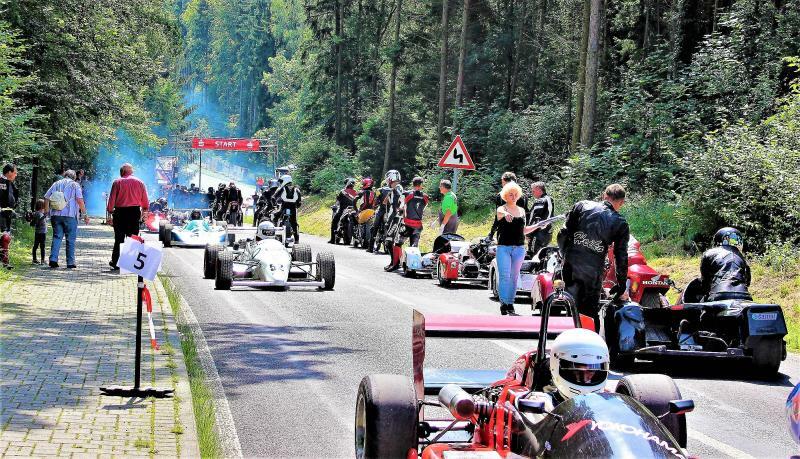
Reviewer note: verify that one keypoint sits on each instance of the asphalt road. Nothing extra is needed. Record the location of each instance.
(290, 362)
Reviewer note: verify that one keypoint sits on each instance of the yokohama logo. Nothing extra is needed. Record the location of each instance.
(608, 426)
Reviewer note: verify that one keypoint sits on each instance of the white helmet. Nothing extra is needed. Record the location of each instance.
(266, 230)
(579, 362)
(286, 179)
(392, 176)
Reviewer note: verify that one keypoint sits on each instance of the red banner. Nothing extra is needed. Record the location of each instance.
(226, 144)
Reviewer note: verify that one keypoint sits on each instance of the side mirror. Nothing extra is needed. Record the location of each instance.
(530, 406)
(681, 406)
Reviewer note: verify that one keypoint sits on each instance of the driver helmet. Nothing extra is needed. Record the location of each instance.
(349, 182)
(286, 179)
(221, 186)
(162, 201)
(366, 183)
(393, 176)
(729, 236)
(273, 183)
(579, 362)
(195, 215)
(232, 185)
(266, 230)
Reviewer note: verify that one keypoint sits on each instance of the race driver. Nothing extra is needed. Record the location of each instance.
(724, 273)
(344, 199)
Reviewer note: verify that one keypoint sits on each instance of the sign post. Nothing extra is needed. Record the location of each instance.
(137, 258)
(457, 157)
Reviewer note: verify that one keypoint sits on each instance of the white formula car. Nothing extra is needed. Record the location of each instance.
(194, 233)
(268, 262)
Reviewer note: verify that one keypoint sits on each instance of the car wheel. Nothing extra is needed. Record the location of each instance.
(440, 269)
(767, 355)
(210, 261)
(655, 392)
(224, 278)
(167, 235)
(326, 269)
(161, 232)
(410, 273)
(493, 284)
(651, 300)
(301, 253)
(386, 417)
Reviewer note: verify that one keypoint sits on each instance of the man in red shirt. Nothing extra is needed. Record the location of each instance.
(127, 201)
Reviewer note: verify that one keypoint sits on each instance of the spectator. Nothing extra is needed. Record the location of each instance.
(39, 224)
(448, 215)
(9, 196)
(64, 200)
(126, 203)
(522, 201)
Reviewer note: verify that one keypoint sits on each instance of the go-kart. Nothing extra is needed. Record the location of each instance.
(740, 330)
(415, 262)
(362, 234)
(517, 413)
(194, 233)
(268, 263)
(468, 263)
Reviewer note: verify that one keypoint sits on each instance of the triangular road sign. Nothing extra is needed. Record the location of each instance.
(457, 156)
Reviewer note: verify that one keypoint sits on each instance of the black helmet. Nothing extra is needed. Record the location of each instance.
(729, 236)
(349, 182)
(196, 215)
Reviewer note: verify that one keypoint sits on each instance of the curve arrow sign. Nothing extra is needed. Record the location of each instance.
(457, 156)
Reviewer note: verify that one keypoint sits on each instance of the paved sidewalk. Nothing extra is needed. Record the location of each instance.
(65, 333)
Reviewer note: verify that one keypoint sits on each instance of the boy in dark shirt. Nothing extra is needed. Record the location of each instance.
(39, 222)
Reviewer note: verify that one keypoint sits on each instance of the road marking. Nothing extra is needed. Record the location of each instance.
(718, 445)
(514, 349)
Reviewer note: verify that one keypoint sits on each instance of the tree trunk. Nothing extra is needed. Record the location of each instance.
(579, 89)
(442, 75)
(521, 20)
(392, 82)
(592, 59)
(536, 49)
(462, 56)
(338, 119)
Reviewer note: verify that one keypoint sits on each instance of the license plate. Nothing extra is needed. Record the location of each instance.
(691, 347)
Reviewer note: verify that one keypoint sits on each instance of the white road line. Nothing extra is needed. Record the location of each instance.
(718, 445)
(513, 349)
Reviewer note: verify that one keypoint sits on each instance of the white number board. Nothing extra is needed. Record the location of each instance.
(139, 258)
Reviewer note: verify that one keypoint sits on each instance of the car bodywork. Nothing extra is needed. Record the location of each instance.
(465, 262)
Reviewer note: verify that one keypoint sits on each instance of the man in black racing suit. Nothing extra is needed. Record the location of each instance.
(724, 273)
(541, 209)
(395, 203)
(289, 199)
(264, 205)
(346, 198)
(590, 229)
(380, 215)
(413, 205)
(219, 202)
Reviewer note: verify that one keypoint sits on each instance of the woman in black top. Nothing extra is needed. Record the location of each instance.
(511, 230)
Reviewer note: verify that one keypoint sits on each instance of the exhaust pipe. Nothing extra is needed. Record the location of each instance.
(460, 403)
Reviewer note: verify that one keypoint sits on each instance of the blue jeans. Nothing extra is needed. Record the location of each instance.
(66, 227)
(509, 262)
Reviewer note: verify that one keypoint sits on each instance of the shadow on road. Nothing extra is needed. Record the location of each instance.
(710, 370)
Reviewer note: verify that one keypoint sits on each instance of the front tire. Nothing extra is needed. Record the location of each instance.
(224, 278)
(167, 235)
(386, 417)
(301, 253)
(655, 392)
(326, 270)
(210, 257)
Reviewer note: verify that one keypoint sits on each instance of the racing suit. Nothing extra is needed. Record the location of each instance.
(591, 228)
(9, 196)
(724, 274)
(290, 200)
(395, 201)
(219, 202)
(346, 198)
(542, 209)
(233, 194)
(498, 201)
(415, 203)
(383, 206)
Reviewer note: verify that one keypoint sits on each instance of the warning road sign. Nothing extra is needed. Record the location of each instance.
(457, 156)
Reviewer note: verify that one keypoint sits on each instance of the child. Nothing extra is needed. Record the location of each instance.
(39, 222)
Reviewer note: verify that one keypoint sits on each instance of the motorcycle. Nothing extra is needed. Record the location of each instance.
(380, 236)
(346, 227)
(362, 236)
(282, 218)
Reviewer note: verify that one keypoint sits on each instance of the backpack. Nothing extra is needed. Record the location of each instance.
(57, 200)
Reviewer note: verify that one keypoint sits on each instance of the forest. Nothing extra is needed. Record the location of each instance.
(694, 105)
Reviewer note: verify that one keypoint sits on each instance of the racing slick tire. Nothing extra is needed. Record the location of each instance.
(210, 256)
(167, 240)
(224, 278)
(161, 231)
(767, 355)
(655, 392)
(409, 273)
(386, 417)
(651, 300)
(301, 253)
(326, 269)
(440, 269)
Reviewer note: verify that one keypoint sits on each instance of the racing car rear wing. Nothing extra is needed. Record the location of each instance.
(474, 326)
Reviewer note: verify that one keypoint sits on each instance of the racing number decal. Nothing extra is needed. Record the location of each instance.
(139, 264)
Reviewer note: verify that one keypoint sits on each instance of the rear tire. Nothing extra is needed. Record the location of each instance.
(409, 273)
(655, 392)
(326, 270)
(167, 235)
(767, 356)
(386, 417)
(301, 253)
(224, 278)
(210, 257)
(440, 269)
(651, 300)
(347, 235)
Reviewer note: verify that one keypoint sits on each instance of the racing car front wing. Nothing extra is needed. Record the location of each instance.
(275, 283)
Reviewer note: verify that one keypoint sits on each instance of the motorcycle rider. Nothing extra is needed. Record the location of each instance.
(289, 198)
(414, 203)
(590, 228)
(233, 195)
(264, 205)
(219, 201)
(380, 216)
(506, 178)
(542, 209)
(346, 198)
(724, 273)
(394, 201)
(368, 200)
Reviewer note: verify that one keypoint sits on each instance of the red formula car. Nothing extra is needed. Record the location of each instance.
(153, 220)
(513, 414)
(466, 262)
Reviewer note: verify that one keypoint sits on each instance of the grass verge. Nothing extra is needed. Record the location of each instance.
(202, 398)
(772, 282)
(20, 250)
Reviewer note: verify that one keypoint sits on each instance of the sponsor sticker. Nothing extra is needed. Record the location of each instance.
(764, 315)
